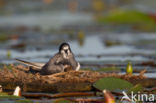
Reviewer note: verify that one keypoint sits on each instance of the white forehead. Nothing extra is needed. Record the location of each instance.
(65, 47)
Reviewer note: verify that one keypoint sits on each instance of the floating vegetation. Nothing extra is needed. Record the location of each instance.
(75, 84)
(129, 69)
(73, 80)
(111, 84)
(4, 96)
(24, 101)
(136, 88)
(138, 19)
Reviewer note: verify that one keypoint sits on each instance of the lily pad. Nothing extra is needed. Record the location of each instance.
(139, 20)
(9, 97)
(111, 84)
(137, 88)
(5, 96)
(126, 17)
(23, 101)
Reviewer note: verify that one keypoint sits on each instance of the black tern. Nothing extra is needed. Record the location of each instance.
(58, 62)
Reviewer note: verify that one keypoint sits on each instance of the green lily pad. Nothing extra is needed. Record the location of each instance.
(3, 94)
(126, 17)
(111, 84)
(138, 19)
(137, 88)
(9, 97)
(23, 101)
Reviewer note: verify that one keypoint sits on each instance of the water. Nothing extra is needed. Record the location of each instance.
(92, 46)
(48, 20)
(93, 51)
(100, 49)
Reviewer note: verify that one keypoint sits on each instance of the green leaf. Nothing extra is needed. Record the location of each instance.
(23, 101)
(136, 88)
(9, 97)
(129, 68)
(111, 84)
(3, 94)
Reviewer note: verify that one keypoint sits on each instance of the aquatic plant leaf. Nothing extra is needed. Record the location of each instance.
(111, 83)
(9, 97)
(23, 101)
(126, 17)
(137, 88)
(129, 69)
(141, 20)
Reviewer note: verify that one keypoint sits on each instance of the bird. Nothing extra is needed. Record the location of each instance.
(60, 62)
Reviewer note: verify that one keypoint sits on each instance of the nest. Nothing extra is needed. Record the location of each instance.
(70, 81)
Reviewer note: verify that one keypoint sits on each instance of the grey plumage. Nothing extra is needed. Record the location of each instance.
(54, 65)
(57, 63)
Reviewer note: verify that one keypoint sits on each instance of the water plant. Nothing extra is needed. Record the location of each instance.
(129, 68)
(111, 84)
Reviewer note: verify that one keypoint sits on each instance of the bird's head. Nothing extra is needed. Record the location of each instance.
(65, 50)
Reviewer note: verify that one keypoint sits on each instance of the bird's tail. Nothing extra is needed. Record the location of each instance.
(33, 64)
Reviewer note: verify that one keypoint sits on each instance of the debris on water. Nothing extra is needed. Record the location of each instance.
(149, 63)
(18, 46)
